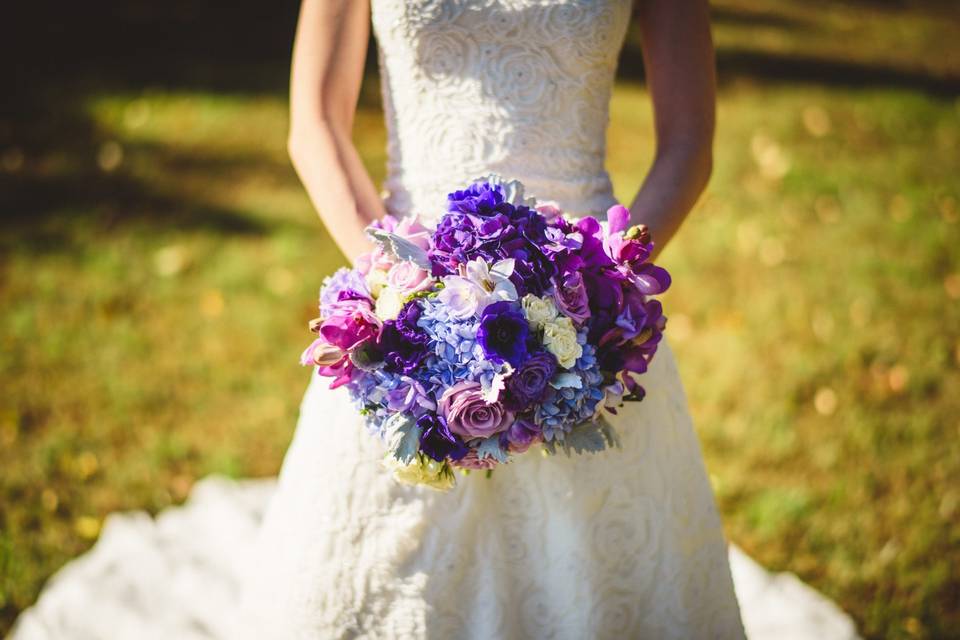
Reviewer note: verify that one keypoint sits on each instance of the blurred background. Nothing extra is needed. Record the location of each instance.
(159, 261)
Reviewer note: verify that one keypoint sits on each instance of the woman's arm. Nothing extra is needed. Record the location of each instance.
(327, 69)
(679, 62)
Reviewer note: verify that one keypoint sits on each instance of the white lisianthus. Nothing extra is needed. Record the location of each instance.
(494, 280)
(423, 470)
(376, 280)
(560, 339)
(461, 297)
(538, 311)
(389, 303)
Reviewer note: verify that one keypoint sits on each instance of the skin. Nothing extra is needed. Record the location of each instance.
(328, 58)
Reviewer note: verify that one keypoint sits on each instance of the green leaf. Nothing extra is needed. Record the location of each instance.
(402, 435)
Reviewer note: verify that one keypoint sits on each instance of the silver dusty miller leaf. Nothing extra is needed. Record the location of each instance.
(399, 248)
(402, 436)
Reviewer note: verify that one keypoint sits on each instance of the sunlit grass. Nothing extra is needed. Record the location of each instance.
(152, 323)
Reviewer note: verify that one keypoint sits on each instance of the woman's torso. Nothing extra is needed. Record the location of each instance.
(515, 87)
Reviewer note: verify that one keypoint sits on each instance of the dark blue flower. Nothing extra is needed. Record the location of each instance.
(437, 441)
(503, 333)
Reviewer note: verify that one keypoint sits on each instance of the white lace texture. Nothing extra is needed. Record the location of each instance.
(623, 544)
(520, 88)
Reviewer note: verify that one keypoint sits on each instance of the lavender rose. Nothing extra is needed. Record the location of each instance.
(570, 294)
(469, 415)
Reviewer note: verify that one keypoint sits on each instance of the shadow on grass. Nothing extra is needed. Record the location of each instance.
(783, 70)
(59, 61)
(60, 183)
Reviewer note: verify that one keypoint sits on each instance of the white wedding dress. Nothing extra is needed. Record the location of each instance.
(623, 544)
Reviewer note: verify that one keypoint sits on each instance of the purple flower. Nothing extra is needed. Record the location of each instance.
(350, 330)
(521, 435)
(618, 217)
(592, 252)
(402, 342)
(631, 253)
(344, 286)
(341, 372)
(651, 279)
(633, 340)
(469, 415)
(437, 441)
(409, 396)
(570, 294)
(527, 384)
(532, 268)
(494, 227)
(407, 321)
(454, 242)
(480, 198)
(503, 333)
(480, 224)
(605, 288)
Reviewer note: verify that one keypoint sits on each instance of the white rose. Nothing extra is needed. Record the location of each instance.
(538, 311)
(389, 304)
(560, 339)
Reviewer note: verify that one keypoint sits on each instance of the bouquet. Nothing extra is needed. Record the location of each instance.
(506, 326)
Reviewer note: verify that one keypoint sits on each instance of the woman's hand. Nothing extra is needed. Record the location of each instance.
(327, 70)
(679, 61)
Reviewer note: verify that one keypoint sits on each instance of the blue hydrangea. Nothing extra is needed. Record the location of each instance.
(456, 354)
(369, 392)
(564, 408)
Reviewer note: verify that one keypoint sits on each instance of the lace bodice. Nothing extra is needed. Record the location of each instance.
(515, 87)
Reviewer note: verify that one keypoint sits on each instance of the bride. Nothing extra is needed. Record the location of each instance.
(623, 544)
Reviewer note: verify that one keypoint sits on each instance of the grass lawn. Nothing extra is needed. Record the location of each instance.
(159, 261)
